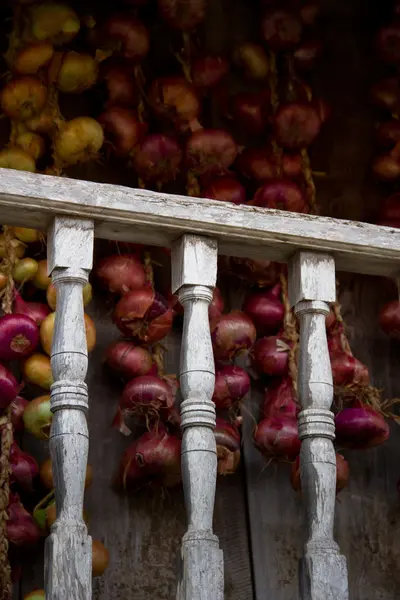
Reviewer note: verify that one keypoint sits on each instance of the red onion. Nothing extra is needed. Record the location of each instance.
(9, 387)
(296, 125)
(183, 15)
(226, 189)
(389, 319)
(232, 333)
(309, 12)
(359, 427)
(37, 311)
(388, 133)
(270, 356)
(346, 369)
(386, 94)
(143, 314)
(306, 54)
(208, 71)
(22, 530)
(281, 194)
(388, 43)
(280, 400)
(277, 437)
(19, 336)
(281, 29)
(155, 457)
(342, 473)
(258, 163)
(253, 59)
(251, 111)
(176, 100)
(24, 468)
(119, 82)
(130, 360)
(210, 151)
(232, 384)
(130, 35)
(122, 129)
(227, 438)
(266, 310)
(158, 159)
(120, 273)
(386, 167)
(263, 273)
(37, 417)
(18, 406)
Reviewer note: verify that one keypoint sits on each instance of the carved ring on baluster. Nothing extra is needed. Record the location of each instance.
(316, 307)
(69, 275)
(197, 414)
(316, 422)
(195, 292)
(65, 394)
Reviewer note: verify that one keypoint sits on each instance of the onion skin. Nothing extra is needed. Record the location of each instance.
(262, 273)
(78, 72)
(54, 22)
(120, 83)
(175, 100)
(17, 246)
(388, 134)
(35, 595)
(23, 98)
(280, 400)
(342, 474)
(78, 140)
(232, 384)
(130, 360)
(232, 333)
(24, 468)
(158, 159)
(208, 71)
(386, 167)
(388, 43)
(37, 371)
(386, 94)
(143, 315)
(225, 189)
(258, 164)
(26, 235)
(281, 194)
(100, 558)
(42, 279)
(270, 356)
(47, 332)
(155, 457)
(18, 406)
(122, 129)
(34, 310)
(253, 59)
(278, 438)
(227, 438)
(19, 337)
(131, 34)
(360, 427)
(9, 387)
(24, 270)
(251, 111)
(210, 151)
(346, 369)
(51, 295)
(266, 310)
(120, 273)
(15, 158)
(281, 29)
(33, 57)
(31, 143)
(37, 417)
(183, 15)
(296, 125)
(389, 319)
(22, 530)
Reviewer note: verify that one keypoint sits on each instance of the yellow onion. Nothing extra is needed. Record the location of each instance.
(47, 332)
(42, 280)
(15, 158)
(18, 247)
(37, 370)
(26, 235)
(37, 417)
(46, 474)
(3, 281)
(35, 595)
(23, 98)
(51, 295)
(43, 123)
(31, 143)
(54, 22)
(78, 72)
(78, 140)
(33, 57)
(100, 558)
(25, 270)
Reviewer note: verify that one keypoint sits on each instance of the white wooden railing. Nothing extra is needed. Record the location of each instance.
(197, 230)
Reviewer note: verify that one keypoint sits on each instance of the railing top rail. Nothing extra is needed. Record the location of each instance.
(142, 216)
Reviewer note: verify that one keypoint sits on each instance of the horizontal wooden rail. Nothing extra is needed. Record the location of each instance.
(143, 216)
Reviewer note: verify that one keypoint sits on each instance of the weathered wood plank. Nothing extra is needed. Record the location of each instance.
(154, 218)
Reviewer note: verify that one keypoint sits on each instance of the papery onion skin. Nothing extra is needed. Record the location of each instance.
(386, 167)
(18, 406)
(78, 140)
(129, 360)
(120, 273)
(23, 98)
(250, 111)
(280, 399)
(210, 151)
(25, 270)
(144, 315)
(122, 129)
(24, 468)
(281, 29)
(100, 558)
(266, 310)
(119, 82)
(232, 384)
(131, 34)
(346, 369)
(154, 457)
(9, 387)
(277, 438)
(47, 332)
(17, 247)
(183, 15)
(296, 125)
(232, 333)
(148, 395)
(42, 280)
(281, 194)
(253, 59)
(78, 72)
(258, 164)
(15, 158)
(19, 337)
(262, 273)
(37, 370)
(225, 189)
(207, 71)
(227, 438)
(389, 319)
(27, 235)
(34, 310)
(271, 356)
(54, 22)
(33, 57)
(158, 159)
(342, 474)
(360, 427)
(22, 530)
(37, 417)
(176, 100)
(32, 143)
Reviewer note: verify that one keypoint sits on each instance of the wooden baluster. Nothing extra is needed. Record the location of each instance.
(194, 271)
(68, 561)
(323, 571)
